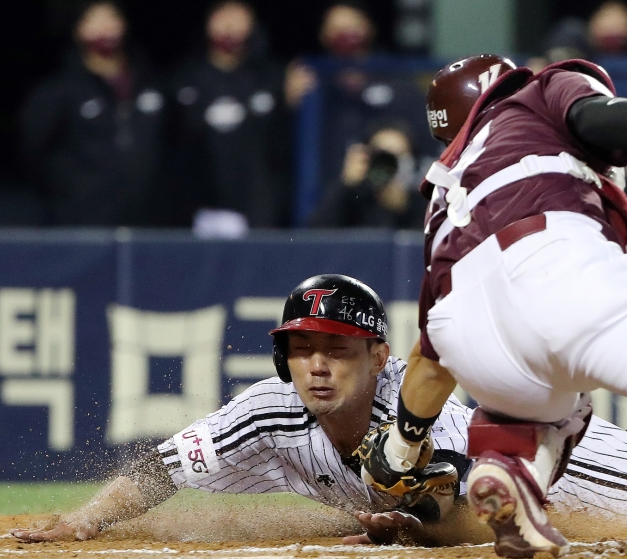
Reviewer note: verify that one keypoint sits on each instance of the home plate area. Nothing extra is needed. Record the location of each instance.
(140, 550)
(231, 532)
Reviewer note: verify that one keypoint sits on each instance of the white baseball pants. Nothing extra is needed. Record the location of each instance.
(525, 330)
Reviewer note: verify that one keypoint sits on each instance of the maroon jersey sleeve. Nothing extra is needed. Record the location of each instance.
(562, 89)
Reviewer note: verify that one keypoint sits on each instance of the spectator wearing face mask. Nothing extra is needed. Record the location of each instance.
(603, 34)
(378, 184)
(347, 32)
(354, 93)
(92, 135)
(231, 132)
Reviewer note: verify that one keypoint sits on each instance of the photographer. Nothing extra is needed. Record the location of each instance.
(377, 188)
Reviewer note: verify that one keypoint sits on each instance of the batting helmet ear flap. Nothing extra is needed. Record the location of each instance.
(279, 356)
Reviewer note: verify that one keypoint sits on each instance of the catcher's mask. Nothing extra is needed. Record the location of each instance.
(456, 87)
(333, 304)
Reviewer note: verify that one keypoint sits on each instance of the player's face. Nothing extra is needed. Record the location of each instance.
(334, 374)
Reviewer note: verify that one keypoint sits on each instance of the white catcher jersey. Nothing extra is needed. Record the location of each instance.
(266, 441)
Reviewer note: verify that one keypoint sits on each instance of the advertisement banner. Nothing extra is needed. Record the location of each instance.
(110, 337)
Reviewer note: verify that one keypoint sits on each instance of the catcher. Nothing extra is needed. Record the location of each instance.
(523, 300)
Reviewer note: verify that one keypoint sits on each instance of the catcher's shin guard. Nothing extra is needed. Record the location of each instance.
(573, 430)
(411, 485)
(542, 449)
(518, 462)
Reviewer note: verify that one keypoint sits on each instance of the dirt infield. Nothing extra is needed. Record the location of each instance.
(289, 532)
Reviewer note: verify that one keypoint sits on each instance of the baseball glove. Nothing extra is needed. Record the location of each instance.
(422, 479)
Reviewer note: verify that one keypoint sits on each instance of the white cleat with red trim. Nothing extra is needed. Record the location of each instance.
(506, 497)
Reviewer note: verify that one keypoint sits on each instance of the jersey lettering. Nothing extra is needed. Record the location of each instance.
(411, 429)
(487, 78)
(196, 452)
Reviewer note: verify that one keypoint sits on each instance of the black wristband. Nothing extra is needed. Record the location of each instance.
(413, 428)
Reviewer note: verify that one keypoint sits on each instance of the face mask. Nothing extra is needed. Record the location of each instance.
(228, 44)
(348, 43)
(612, 43)
(104, 46)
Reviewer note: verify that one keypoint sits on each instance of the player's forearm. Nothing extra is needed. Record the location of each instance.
(120, 500)
(426, 386)
(146, 484)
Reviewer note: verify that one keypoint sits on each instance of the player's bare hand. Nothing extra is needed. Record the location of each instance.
(299, 81)
(355, 164)
(386, 527)
(62, 531)
(362, 539)
(394, 197)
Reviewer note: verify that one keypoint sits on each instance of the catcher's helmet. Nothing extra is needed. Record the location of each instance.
(333, 304)
(456, 87)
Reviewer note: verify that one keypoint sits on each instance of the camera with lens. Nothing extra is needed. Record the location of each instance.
(382, 168)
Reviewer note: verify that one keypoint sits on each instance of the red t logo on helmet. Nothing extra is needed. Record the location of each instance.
(317, 295)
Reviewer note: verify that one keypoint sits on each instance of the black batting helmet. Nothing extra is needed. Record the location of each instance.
(456, 87)
(333, 304)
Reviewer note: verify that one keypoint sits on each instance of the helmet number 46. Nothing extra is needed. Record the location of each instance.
(487, 78)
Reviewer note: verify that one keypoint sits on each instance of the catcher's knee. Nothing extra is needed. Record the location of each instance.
(506, 436)
(543, 449)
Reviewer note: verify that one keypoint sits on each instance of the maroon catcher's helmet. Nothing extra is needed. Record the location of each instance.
(456, 87)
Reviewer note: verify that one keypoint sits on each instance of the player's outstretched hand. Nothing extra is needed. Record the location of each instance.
(62, 531)
(122, 499)
(386, 528)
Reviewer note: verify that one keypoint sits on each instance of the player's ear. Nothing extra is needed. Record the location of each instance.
(379, 351)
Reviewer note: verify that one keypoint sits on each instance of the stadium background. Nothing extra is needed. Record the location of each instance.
(113, 337)
(34, 35)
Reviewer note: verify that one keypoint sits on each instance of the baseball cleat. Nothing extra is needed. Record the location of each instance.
(505, 499)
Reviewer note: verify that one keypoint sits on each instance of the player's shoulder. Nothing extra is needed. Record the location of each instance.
(394, 368)
(269, 410)
(393, 372)
(566, 83)
(389, 384)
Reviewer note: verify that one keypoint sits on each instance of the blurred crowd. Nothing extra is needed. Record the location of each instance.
(602, 35)
(109, 141)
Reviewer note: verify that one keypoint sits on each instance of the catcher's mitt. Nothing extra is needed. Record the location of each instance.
(412, 485)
